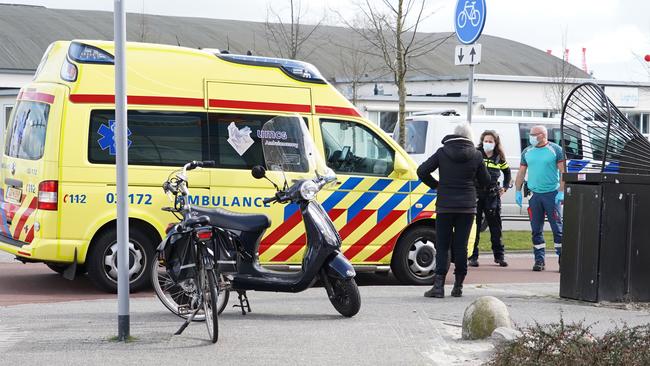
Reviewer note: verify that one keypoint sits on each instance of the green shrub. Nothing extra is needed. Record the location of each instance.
(561, 344)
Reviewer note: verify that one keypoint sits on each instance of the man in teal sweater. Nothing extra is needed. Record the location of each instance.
(545, 162)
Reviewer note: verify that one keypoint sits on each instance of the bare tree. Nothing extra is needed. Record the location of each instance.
(355, 66)
(392, 34)
(562, 77)
(143, 25)
(645, 65)
(286, 38)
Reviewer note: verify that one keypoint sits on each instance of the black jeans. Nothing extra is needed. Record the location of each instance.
(452, 231)
(489, 207)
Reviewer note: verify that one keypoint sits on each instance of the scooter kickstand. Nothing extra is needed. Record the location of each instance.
(187, 322)
(243, 303)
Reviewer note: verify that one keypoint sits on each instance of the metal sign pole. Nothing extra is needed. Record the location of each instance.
(470, 94)
(121, 163)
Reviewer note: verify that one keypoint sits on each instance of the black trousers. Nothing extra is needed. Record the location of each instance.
(488, 207)
(452, 231)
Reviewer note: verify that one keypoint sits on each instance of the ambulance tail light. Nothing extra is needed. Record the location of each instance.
(48, 195)
(68, 71)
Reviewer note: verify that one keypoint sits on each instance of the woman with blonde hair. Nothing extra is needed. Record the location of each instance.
(488, 205)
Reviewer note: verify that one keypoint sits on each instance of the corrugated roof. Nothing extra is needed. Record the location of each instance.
(26, 31)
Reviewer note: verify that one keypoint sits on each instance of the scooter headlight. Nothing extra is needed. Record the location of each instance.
(308, 190)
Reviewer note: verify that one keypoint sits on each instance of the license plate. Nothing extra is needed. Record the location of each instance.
(14, 194)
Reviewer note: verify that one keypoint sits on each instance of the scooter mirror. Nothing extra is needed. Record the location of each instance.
(258, 172)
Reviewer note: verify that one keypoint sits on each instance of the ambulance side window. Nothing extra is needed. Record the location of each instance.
(351, 148)
(233, 139)
(26, 134)
(156, 138)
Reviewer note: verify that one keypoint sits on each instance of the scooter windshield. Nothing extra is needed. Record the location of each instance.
(288, 147)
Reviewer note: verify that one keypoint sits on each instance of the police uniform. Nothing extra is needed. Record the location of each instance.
(489, 204)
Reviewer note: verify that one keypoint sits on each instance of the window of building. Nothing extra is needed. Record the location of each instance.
(384, 119)
(26, 134)
(156, 138)
(387, 121)
(517, 112)
(416, 136)
(8, 110)
(351, 148)
(640, 121)
(573, 145)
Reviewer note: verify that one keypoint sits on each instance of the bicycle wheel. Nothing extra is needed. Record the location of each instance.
(174, 295)
(475, 18)
(462, 19)
(210, 291)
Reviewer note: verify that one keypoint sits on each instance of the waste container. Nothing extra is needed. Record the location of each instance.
(606, 242)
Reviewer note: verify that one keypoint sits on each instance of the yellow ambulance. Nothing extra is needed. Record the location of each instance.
(58, 200)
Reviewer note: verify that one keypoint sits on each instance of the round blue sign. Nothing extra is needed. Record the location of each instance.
(469, 20)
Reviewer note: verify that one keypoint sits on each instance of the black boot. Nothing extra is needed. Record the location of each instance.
(457, 291)
(438, 289)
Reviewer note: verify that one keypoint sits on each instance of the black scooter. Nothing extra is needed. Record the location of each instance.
(323, 259)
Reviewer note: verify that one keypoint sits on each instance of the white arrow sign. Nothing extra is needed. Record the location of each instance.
(467, 55)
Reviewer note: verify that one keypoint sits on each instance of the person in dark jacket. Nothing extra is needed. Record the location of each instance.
(460, 165)
(489, 199)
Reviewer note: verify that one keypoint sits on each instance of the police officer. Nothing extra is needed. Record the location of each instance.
(489, 198)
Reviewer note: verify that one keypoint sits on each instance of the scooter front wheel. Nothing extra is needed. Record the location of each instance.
(346, 299)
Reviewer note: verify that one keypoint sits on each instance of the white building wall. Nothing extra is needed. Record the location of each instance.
(14, 80)
(513, 95)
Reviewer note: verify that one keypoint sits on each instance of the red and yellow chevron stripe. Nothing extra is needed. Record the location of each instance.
(369, 213)
(18, 219)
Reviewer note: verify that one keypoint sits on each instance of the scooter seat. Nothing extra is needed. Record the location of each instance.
(234, 220)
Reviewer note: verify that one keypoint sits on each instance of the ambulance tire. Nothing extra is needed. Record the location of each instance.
(104, 249)
(414, 256)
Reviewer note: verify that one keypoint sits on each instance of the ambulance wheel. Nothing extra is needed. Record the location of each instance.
(414, 257)
(102, 260)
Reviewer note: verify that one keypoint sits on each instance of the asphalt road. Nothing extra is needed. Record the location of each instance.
(35, 283)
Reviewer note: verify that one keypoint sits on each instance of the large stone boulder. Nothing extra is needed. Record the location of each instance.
(483, 316)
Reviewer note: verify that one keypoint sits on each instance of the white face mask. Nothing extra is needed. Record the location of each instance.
(488, 146)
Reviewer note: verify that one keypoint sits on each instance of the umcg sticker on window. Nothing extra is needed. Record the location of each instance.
(240, 140)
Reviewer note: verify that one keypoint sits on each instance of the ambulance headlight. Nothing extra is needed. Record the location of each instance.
(308, 190)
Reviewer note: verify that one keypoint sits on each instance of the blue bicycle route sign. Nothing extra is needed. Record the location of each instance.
(469, 20)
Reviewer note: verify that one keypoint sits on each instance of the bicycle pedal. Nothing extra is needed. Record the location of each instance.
(184, 309)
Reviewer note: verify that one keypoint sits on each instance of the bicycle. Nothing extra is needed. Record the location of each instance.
(469, 12)
(189, 283)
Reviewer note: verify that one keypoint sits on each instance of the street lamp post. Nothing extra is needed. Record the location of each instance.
(121, 164)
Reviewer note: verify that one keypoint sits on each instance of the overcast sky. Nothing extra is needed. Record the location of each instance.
(613, 31)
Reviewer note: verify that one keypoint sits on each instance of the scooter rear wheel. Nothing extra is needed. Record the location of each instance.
(346, 299)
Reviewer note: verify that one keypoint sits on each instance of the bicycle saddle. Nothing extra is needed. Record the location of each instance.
(234, 220)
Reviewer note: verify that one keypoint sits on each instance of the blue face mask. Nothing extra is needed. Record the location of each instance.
(533, 140)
